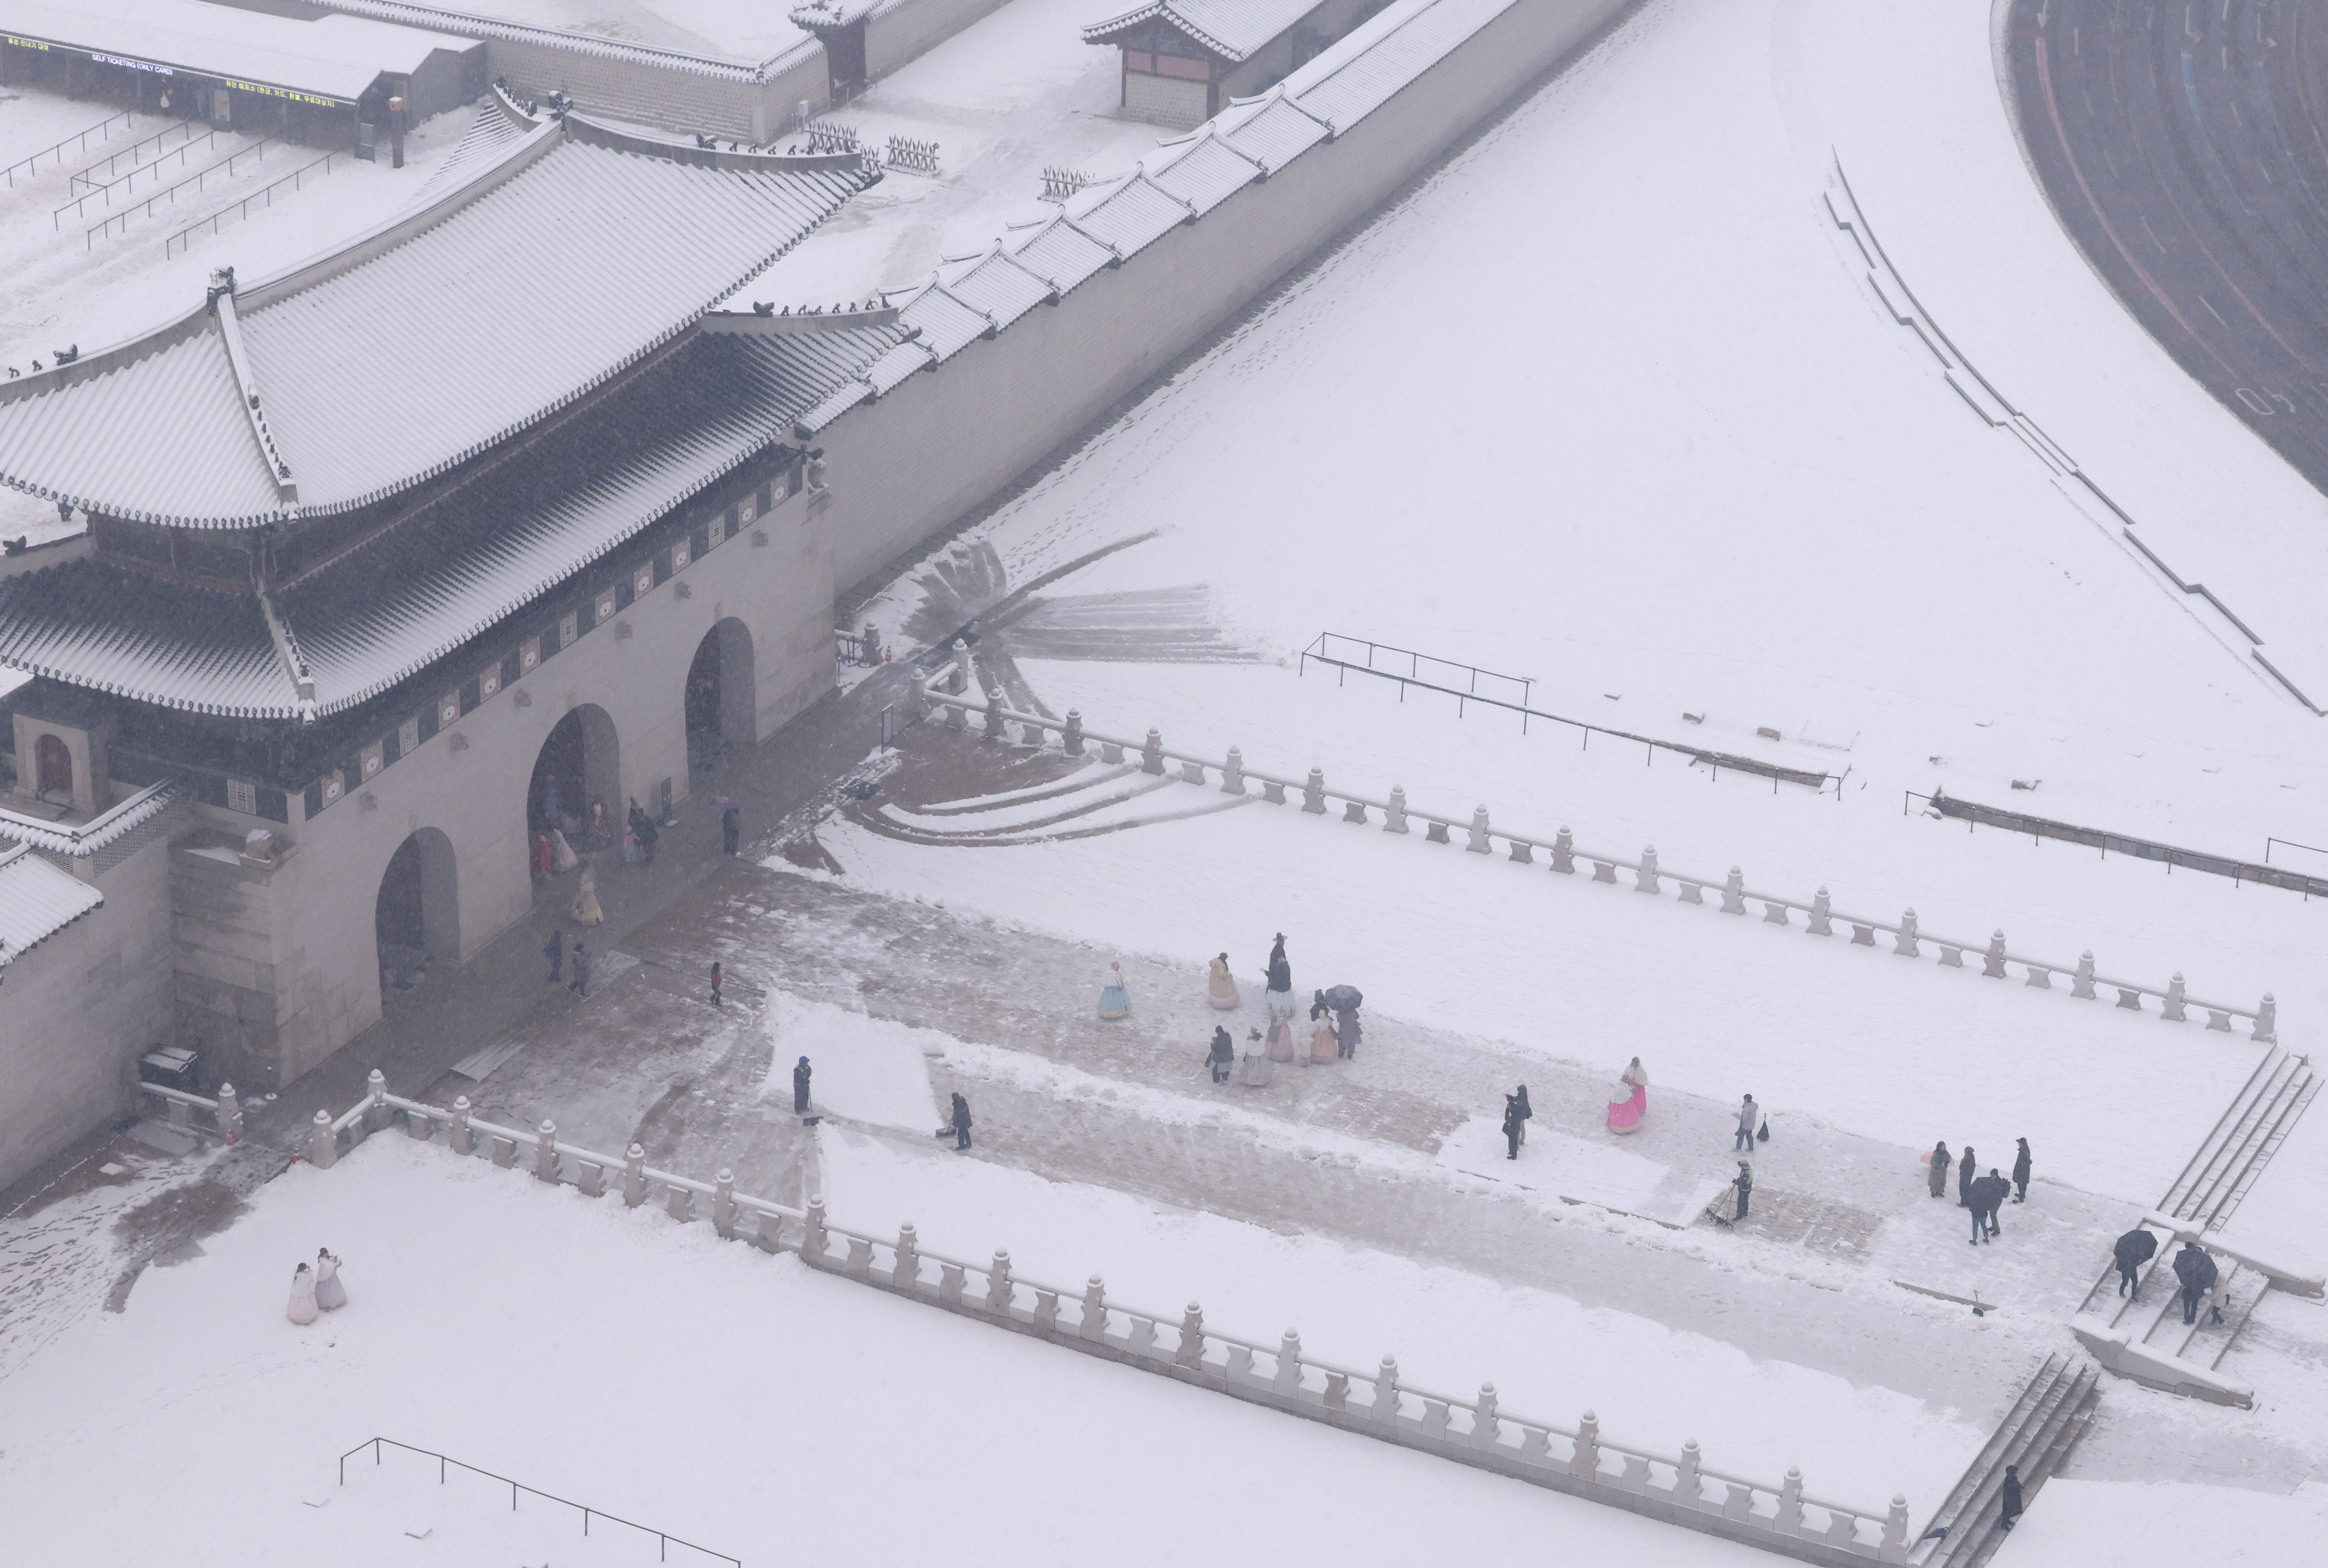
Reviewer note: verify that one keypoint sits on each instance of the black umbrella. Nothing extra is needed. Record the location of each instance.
(1343, 998)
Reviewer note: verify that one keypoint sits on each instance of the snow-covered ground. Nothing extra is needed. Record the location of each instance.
(746, 31)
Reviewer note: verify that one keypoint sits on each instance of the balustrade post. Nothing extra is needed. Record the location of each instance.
(1152, 754)
(2266, 1021)
(678, 1202)
(954, 715)
(229, 1115)
(998, 1284)
(1991, 962)
(907, 1274)
(1478, 844)
(1071, 737)
(1733, 893)
(1791, 1501)
(465, 1137)
(812, 1231)
(177, 1112)
(590, 1178)
(1313, 792)
(994, 730)
(1645, 880)
(1821, 913)
(960, 669)
(375, 1114)
(1394, 819)
(1093, 1325)
(1564, 852)
(1233, 774)
(545, 1154)
(1191, 1353)
(1385, 1406)
(2082, 985)
(323, 1143)
(1688, 1490)
(2173, 1014)
(723, 1204)
(1585, 1462)
(1288, 1364)
(1904, 943)
(768, 1231)
(634, 1176)
(1485, 1431)
(1894, 1545)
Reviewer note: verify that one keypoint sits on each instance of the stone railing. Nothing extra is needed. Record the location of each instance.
(181, 1108)
(1647, 875)
(1679, 1489)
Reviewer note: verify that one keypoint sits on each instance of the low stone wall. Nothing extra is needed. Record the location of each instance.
(895, 33)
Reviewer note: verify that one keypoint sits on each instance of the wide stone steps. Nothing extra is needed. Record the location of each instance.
(2044, 1422)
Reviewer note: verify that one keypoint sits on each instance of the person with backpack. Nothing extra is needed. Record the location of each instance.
(1222, 1057)
(1512, 1123)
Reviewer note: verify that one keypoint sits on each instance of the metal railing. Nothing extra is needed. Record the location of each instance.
(186, 129)
(102, 130)
(1579, 1459)
(1462, 681)
(1907, 937)
(126, 183)
(199, 180)
(265, 195)
(2107, 842)
(665, 1540)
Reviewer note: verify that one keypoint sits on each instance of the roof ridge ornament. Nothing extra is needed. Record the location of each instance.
(238, 359)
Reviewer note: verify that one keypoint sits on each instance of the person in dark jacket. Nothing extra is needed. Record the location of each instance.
(960, 1124)
(2133, 1250)
(2021, 1171)
(800, 1088)
(1519, 1102)
(554, 950)
(1222, 1057)
(2008, 1506)
(717, 999)
(644, 830)
(2196, 1271)
(1966, 1173)
(1512, 1125)
(1988, 1194)
(1280, 973)
(731, 829)
(1745, 1185)
(1939, 1168)
(581, 982)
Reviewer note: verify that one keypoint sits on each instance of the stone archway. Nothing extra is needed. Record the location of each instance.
(722, 698)
(52, 768)
(577, 770)
(416, 913)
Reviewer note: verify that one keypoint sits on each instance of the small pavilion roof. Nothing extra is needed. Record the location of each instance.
(1235, 30)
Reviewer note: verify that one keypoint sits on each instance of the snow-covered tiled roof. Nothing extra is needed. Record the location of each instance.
(471, 26)
(37, 900)
(387, 610)
(563, 257)
(331, 56)
(1235, 30)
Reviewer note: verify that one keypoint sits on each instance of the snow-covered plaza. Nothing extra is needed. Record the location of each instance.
(1736, 403)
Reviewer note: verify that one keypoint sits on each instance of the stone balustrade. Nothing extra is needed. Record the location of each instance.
(222, 1116)
(1479, 835)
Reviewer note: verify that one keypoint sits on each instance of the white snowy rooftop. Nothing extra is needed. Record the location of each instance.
(543, 260)
(37, 900)
(336, 56)
(1232, 29)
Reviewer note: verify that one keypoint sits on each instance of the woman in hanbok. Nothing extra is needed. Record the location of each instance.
(1281, 981)
(1280, 1039)
(1220, 986)
(1254, 1070)
(562, 856)
(302, 1296)
(1114, 1001)
(544, 859)
(1323, 1048)
(585, 910)
(330, 1294)
(1629, 1100)
(601, 830)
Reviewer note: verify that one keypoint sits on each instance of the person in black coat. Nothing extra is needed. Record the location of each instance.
(1222, 1057)
(1519, 1102)
(960, 1124)
(2021, 1171)
(1967, 1173)
(2008, 1507)
(2133, 1250)
(1745, 1185)
(1988, 1194)
(731, 829)
(554, 950)
(1512, 1125)
(800, 1088)
(2196, 1270)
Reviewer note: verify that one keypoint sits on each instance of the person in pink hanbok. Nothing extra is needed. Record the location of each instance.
(1629, 1101)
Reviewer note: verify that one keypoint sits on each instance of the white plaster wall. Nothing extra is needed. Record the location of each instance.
(895, 36)
(908, 465)
(674, 99)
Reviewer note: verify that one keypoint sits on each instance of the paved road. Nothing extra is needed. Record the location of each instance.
(2183, 142)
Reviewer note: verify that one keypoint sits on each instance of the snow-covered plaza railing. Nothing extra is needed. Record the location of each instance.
(179, 1108)
(1906, 938)
(1679, 1489)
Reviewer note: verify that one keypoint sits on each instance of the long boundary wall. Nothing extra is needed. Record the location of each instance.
(909, 462)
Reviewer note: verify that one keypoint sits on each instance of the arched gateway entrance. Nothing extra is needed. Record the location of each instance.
(721, 700)
(577, 786)
(417, 914)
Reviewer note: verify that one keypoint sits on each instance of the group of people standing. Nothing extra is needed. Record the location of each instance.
(2197, 1276)
(316, 1287)
(1334, 1031)
(1983, 1196)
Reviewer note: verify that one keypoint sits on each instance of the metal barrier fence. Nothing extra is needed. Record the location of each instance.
(102, 130)
(124, 184)
(199, 180)
(265, 195)
(2107, 842)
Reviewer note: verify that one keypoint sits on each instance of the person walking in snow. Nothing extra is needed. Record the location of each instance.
(1347, 1034)
(800, 1088)
(1222, 1057)
(1630, 1100)
(643, 828)
(1938, 1173)
(1114, 1000)
(961, 1122)
(1966, 1173)
(302, 1295)
(2197, 1271)
(1220, 985)
(2008, 1506)
(1745, 1185)
(580, 985)
(1988, 1196)
(2133, 1250)
(1750, 1115)
(554, 950)
(1279, 981)
(1519, 1102)
(731, 829)
(330, 1294)
(717, 999)
(2021, 1171)
(1513, 1124)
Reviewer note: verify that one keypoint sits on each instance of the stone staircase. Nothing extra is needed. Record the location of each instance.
(1100, 798)
(2044, 1422)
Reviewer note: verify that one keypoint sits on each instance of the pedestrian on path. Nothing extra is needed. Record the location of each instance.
(2198, 1273)
(717, 999)
(1348, 1034)
(580, 985)
(1114, 1001)
(1745, 1185)
(1222, 1057)
(643, 828)
(1519, 1102)
(1966, 1173)
(731, 828)
(554, 950)
(1220, 985)
(2021, 1171)
(1254, 1069)
(1749, 1114)
(1514, 1123)
(584, 910)
(2133, 1250)
(800, 1088)
(961, 1122)
(1325, 1050)
(330, 1294)
(1988, 1196)
(302, 1295)
(1630, 1101)
(2008, 1507)
(1938, 1174)
(1279, 981)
